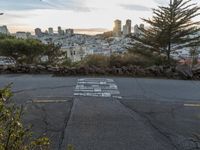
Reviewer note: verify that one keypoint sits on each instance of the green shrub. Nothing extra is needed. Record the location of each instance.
(70, 147)
(129, 59)
(117, 60)
(13, 134)
(100, 61)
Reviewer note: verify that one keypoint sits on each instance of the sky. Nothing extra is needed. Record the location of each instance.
(86, 16)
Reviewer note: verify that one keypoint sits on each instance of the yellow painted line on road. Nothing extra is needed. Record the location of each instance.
(192, 105)
(49, 101)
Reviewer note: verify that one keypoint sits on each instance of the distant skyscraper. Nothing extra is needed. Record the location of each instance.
(136, 29)
(60, 31)
(4, 30)
(142, 26)
(50, 30)
(38, 32)
(69, 31)
(127, 27)
(117, 31)
(128, 24)
(125, 30)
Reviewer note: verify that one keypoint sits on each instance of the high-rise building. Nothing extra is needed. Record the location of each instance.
(125, 30)
(69, 31)
(136, 29)
(117, 30)
(50, 31)
(128, 23)
(38, 32)
(141, 26)
(4, 30)
(127, 27)
(60, 31)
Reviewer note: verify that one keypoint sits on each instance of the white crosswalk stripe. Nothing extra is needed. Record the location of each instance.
(98, 87)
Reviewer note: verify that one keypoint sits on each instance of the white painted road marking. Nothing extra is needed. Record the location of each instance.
(98, 87)
(47, 101)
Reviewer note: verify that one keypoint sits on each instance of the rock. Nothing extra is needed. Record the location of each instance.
(119, 71)
(33, 69)
(125, 70)
(196, 69)
(83, 70)
(72, 71)
(91, 70)
(99, 71)
(53, 69)
(3, 67)
(141, 72)
(184, 71)
(41, 67)
(23, 69)
(155, 70)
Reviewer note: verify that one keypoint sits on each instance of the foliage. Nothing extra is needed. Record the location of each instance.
(66, 62)
(13, 134)
(54, 53)
(4, 36)
(121, 60)
(170, 29)
(194, 53)
(70, 147)
(129, 59)
(96, 60)
(30, 51)
(24, 51)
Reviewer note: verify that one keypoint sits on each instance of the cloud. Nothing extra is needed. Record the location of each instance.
(73, 5)
(161, 2)
(91, 31)
(134, 7)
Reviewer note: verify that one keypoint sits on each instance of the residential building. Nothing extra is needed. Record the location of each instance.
(69, 32)
(75, 53)
(23, 35)
(38, 32)
(4, 29)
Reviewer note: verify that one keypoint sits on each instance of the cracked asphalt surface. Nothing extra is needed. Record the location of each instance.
(153, 114)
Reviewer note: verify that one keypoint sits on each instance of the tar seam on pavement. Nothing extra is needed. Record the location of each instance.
(97, 87)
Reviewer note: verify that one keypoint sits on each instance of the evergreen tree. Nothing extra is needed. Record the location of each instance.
(170, 29)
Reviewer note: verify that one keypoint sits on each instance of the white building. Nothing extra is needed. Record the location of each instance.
(75, 53)
(23, 35)
(4, 30)
(69, 32)
(127, 28)
(50, 31)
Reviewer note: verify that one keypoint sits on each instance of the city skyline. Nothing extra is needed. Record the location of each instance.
(85, 16)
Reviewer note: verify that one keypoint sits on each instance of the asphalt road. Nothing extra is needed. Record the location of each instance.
(110, 113)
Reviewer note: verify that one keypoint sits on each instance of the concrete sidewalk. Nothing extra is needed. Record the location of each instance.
(106, 124)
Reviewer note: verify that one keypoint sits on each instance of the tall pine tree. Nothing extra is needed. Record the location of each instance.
(170, 29)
